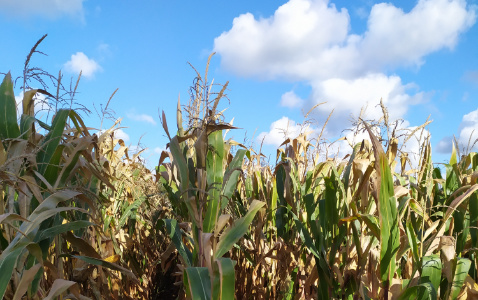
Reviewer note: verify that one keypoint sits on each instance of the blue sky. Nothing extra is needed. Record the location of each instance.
(280, 57)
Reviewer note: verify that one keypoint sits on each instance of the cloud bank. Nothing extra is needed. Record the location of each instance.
(311, 41)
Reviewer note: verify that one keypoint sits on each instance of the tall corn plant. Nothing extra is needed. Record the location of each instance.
(201, 179)
(46, 201)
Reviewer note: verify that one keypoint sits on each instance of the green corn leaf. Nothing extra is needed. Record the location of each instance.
(8, 111)
(197, 283)
(389, 230)
(214, 162)
(412, 241)
(461, 270)
(237, 230)
(424, 291)
(8, 260)
(290, 290)
(224, 279)
(175, 234)
(129, 211)
(231, 175)
(372, 224)
(58, 229)
(51, 141)
(26, 122)
(431, 271)
(473, 209)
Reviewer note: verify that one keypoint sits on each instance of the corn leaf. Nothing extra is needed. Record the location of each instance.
(58, 287)
(214, 161)
(8, 111)
(224, 279)
(175, 234)
(51, 141)
(461, 270)
(431, 271)
(237, 230)
(389, 230)
(197, 283)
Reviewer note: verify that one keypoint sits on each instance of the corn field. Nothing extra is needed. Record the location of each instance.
(82, 217)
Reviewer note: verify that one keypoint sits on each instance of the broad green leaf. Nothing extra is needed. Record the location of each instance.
(237, 230)
(214, 162)
(424, 291)
(372, 224)
(431, 271)
(231, 175)
(224, 279)
(8, 260)
(389, 230)
(175, 234)
(412, 241)
(8, 111)
(461, 270)
(197, 283)
(56, 230)
(26, 122)
(51, 141)
(129, 210)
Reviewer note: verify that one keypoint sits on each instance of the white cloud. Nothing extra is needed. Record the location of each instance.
(120, 134)
(348, 97)
(291, 100)
(142, 118)
(311, 41)
(279, 131)
(81, 62)
(468, 134)
(46, 8)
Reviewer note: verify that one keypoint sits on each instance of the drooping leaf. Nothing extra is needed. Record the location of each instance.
(237, 230)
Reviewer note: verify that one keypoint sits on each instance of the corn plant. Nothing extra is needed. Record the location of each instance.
(201, 179)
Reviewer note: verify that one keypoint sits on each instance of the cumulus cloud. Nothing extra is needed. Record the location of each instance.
(348, 97)
(468, 135)
(291, 100)
(311, 41)
(51, 9)
(142, 118)
(280, 130)
(120, 134)
(81, 62)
